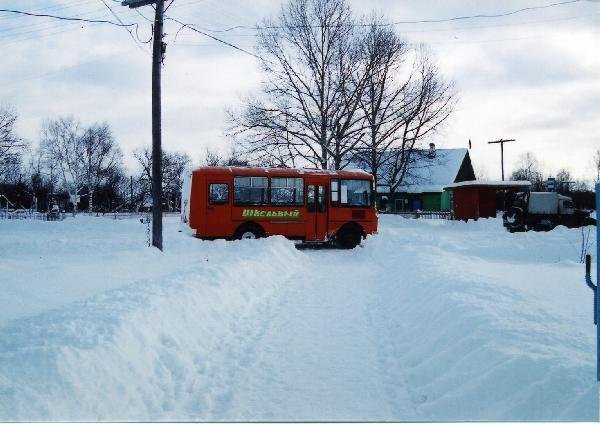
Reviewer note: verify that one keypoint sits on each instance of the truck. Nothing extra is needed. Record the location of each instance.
(542, 211)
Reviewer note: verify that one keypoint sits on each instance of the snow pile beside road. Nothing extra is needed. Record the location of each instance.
(144, 350)
(430, 320)
(493, 333)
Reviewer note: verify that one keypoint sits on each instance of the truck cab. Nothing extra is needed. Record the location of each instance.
(542, 211)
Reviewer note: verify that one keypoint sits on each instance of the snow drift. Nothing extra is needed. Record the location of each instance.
(430, 320)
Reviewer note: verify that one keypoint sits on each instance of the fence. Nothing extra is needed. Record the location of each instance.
(30, 215)
(127, 215)
(34, 215)
(430, 215)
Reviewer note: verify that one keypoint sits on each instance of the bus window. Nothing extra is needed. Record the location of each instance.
(310, 198)
(250, 190)
(321, 202)
(218, 193)
(356, 193)
(287, 191)
(335, 191)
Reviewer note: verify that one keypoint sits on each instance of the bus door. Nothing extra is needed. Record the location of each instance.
(316, 208)
(218, 209)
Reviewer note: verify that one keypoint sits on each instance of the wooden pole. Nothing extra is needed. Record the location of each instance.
(502, 141)
(157, 52)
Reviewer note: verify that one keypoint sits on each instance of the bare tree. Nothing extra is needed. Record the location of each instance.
(82, 157)
(402, 114)
(9, 141)
(309, 102)
(212, 158)
(528, 168)
(564, 180)
(385, 101)
(11, 146)
(11, 168)
(60, 143)
(173, 165)
(597, 165)
(102, 158)
(234, 157)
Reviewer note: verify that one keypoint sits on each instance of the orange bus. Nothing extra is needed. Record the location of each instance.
(307, 205)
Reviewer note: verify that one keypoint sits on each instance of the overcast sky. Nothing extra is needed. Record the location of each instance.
(533, 76)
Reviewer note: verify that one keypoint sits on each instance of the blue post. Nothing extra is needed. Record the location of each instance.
(588, 281)
(596, 295)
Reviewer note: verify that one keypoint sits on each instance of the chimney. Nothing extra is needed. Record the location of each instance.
(431, 153)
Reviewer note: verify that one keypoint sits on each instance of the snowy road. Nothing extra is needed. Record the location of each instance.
(428, 321)
(319, 352)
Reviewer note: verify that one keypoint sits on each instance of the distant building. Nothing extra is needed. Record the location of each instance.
(423, 187)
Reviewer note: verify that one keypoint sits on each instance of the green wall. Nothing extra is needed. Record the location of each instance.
(446, 200)
(433, 201)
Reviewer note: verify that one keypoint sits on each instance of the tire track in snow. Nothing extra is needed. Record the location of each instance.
(319, 355)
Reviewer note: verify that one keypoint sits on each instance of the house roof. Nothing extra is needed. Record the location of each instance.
(428, 174)
(495, 184)
(432, 174)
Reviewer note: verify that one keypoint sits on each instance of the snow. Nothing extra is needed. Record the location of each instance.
(428, 320)
(432, 174)
(500, 184)
(426, 175)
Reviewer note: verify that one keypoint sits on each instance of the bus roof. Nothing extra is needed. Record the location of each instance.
(282, 172)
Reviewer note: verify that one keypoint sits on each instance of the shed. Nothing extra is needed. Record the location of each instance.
(475, 199)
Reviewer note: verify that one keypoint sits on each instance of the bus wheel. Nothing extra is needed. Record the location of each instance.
(348, 237)
(249, 231)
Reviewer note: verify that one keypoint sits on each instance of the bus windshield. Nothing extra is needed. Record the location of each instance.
(356, 193)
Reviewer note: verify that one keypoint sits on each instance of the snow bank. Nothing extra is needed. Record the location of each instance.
(138, 351)
(430, 320)
(495, 329)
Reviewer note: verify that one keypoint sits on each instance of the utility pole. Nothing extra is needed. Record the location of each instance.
(502, 141)
(130, 192)
(157, 56)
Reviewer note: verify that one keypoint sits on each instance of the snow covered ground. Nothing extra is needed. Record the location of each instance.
(429, 320)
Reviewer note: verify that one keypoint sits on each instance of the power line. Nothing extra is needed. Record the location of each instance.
(421, 21)
(498, 15)
(75, 3)
(193, 28)
(64, 18)
(138, 41)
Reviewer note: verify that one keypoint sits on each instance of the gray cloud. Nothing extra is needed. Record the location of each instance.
(533, 76)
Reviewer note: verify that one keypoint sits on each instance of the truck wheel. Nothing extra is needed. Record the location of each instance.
(348, 237)
(249, 231)
(514, 220)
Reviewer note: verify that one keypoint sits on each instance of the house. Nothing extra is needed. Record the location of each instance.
(423, 186)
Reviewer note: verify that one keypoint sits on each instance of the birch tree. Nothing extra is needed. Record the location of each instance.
(82, 157)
